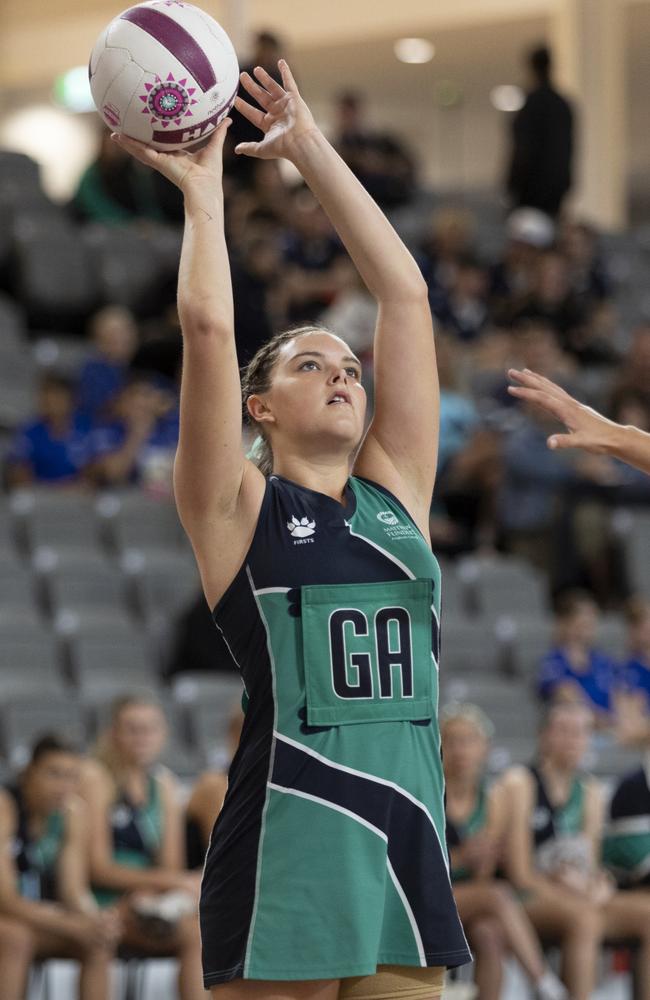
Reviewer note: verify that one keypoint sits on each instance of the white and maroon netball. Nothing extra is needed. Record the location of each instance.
(165, 73)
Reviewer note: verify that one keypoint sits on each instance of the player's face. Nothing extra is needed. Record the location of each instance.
(464, 749)
(316, 393)
(139, 734)
(565, 740)
(52, 780)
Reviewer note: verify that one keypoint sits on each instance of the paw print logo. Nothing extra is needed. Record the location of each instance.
(302, 528)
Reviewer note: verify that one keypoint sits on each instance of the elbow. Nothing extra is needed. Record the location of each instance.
(407, 290)
(200, 322)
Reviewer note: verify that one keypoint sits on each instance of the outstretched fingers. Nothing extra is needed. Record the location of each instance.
(287, 77)
(272, 86)
(254, 115)
(258, 93)
(532, 380)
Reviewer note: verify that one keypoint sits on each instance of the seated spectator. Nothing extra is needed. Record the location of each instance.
(635, 669)
(136, 837)
(529, 233)
(469, 465)
(54, 447)
(312, 258)
(378, 159)
(450, 239)
(115, 189)
(490, 913)
(550, 298)
(574, 670)
(554, 832)
(626, 845)
(634, 372)
(535, 345)
(461, 308)
(257, 294)
(205, 801)
(114, 336)
(138, 443)
(46, 908)
(586, 271)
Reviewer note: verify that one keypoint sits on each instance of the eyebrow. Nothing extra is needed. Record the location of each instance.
(319, 354)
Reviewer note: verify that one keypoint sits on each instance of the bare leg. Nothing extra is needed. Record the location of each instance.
(485, 936)
(16, 951)
(94, 962)
(627, 915)
(557, 915)
(253, 989)
(493, 899)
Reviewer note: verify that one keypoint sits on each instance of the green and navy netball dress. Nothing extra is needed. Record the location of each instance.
(328, 857)
(626, 844)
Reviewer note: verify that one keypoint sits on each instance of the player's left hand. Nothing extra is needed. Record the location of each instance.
(285, 116)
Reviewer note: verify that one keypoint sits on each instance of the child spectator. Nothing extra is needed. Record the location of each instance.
(490, 913)
(54, 446)
(136, 836)
(138, 444)
(574, 670)
(553, 850)
(115, 337)
(46, 908)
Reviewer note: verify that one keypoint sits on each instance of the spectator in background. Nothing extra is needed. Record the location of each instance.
(634, 372)
(553, 851)
(206, 799)
(378, 159)
(461, 308)
(54, 447)
(529, 233)
(46, 908)
(114, 336)
(136, 837)
(635, 669)
(240, 170)
(540, 171)
(626, 844)
(258, 295)
(586, 271)
(312, 271)
(493, 918)
(115, 189)
(451, 237)
(136, 445)
(575, 670)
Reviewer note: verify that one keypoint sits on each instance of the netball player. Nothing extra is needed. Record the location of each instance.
(586, 428)
(327, 874)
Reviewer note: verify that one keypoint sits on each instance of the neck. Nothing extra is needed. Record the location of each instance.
(461, 785)
(325, 474)
(556, 770)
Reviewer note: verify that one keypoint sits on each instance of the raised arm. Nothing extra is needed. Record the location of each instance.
(586, 429)
(218, 493)
(400, 448)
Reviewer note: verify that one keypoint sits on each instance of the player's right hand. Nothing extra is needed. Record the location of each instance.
(182, 167)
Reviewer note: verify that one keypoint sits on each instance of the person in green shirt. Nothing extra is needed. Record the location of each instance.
(46, 908)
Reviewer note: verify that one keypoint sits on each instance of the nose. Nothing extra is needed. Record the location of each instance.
(338, 375)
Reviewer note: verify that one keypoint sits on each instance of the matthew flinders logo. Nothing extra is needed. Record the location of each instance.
(393, 528)
(301, 530)
(387, 517)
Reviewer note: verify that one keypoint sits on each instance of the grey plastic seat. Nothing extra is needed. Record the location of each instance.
(96, 584)
(27, 650)
(531, 639)
(16, 583)
(507, 587)
(63, 519)
(54, 277)
(210, 728)
(104, 665)
(24, 720)
(637, 552)
(166, 584)
(468, 646)
(126, 264)
(143, 523)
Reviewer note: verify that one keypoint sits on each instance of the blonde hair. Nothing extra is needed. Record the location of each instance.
(105, 750)
(466, 712)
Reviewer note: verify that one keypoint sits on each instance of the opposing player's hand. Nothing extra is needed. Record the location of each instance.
(586, 428)
(181, 167)
(284, 118)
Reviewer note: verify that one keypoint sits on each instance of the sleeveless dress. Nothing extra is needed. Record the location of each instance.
(328, 857)
(557, 831)
(36, 860)
(626, 844)
(458, 833)
(136, 833)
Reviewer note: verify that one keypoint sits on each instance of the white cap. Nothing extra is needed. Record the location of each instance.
(529, 225)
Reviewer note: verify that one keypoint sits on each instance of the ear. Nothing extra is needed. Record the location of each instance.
(259, 410)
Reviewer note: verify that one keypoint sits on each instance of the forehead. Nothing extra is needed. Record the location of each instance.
(462, 727)
(326, 343)
(59, 759)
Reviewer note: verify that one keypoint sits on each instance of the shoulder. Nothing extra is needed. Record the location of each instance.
(8, 811)
(96, 781)
(517, 779)
(166, 783)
